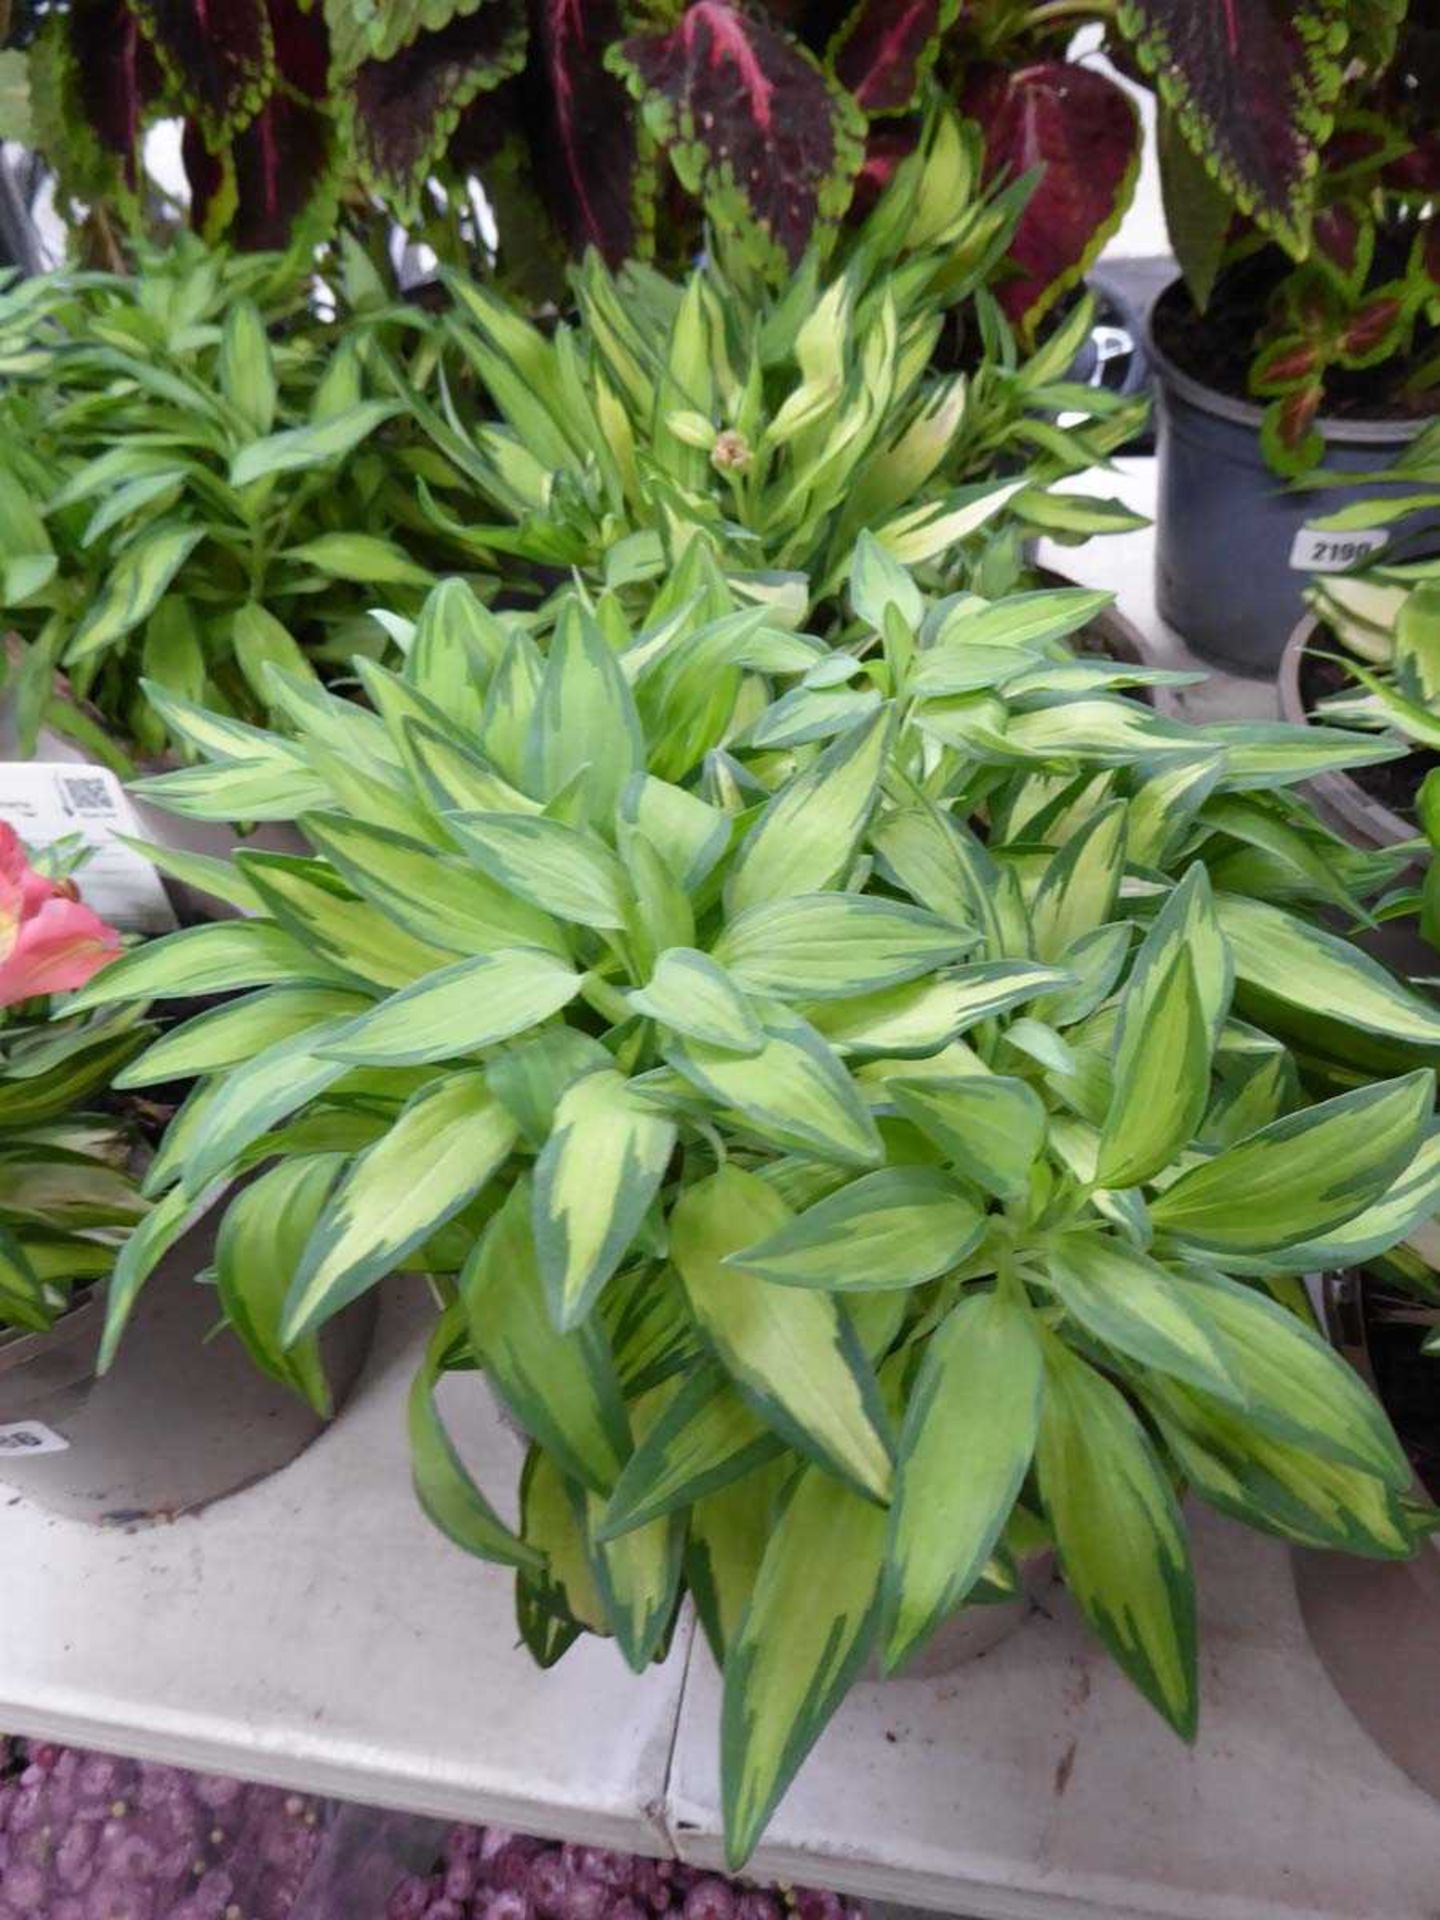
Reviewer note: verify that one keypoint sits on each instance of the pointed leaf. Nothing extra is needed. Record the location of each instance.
(896, 1228)
(990, 1127)
(473, 1004)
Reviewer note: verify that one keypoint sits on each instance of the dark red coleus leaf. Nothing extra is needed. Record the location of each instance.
(1336, 235)
(1296, 414)
(1254, 83)
(582, 127)
(487, 127)
(217, 57)
(263, 189)
(751, 124)
(116, 76)
(1287, 363)
(1081, 131)
(886, 47)
(404, 110)
(1430, 253)
(302, 46)
(1417, 171)
(1372, 328)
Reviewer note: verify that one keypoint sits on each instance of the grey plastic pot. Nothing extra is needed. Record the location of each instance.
(1231, 559)
(183, 1417)
(1376, 1623)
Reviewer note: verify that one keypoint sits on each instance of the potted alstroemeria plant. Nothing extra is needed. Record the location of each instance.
(864, 1110)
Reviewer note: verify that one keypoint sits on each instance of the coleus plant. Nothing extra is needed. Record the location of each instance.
(864, 1110)
(1351, 320)
(779, 424)
(197, 476)
(616, 123)
(67, 1193)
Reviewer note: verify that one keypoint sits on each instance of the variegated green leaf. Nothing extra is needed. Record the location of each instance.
(1104, 732)
(554, 867)
(1121, 1538)
(690, 835)
(989, 1126)
(229, 1035)
(788, 1349)
(561, 1387)
(319, 908)
(1138, 1307)
(220, 958)
(707, 1437)
(821, 946)
(439, 898)
(809, 831)
(895, 1228)
(529, 1079)
(600, 1170)
(921, 1018)
(443, 1485)
(584, 724)
(691, 993)
(1078, 891)
(261, 1091)
(1301, 965)
(1400, 1211)
(794, 1091)
(447, 1142)
(803, 1639)
(299, 449)
(473, 1004)
(132, 589)
(257, 1250)
(1302, 1175)
(1162, 1081)
(976, 1401)
(554, 1603)
(729, 1532)
(1293, 1384)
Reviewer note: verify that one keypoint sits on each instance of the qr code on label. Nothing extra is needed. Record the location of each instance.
(87, 794)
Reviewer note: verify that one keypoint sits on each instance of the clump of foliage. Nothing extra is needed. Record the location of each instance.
(864, 1108)
(1350, 321)
(197, 477)
(616, 125)
(777, 424)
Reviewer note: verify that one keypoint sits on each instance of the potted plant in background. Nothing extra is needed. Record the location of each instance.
(197, 477)
(185, 1418)
(941, 1034)
(1319, 342)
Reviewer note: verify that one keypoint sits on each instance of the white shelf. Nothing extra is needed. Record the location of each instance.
(317, 1631)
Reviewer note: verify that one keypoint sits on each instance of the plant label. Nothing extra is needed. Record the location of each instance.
(22, 1438)
(71, 806)
(1316, 551)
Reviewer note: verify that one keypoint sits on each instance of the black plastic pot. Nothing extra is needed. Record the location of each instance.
(1233, 549)
(182, 1418)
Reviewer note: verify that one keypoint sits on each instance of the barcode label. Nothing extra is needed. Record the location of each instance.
(46, 801)
(87, 794)
(27, 1437)
(1315, 551)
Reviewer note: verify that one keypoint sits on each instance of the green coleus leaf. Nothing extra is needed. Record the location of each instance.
(976, 1399)
(789, 1350)
(594, 1181)
(561, 1387)
(800, 1643)
(447, 1142)
(1119, 1531)
(1302, 1175)
(713, 91)
(832, 945)
(895, 1228)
